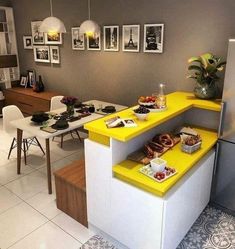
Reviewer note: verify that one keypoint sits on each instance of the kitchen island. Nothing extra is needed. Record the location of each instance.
(130, 207)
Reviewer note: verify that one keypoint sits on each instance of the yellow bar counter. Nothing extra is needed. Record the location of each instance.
(132, 210)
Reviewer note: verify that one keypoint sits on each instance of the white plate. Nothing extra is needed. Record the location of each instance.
(146, 170)
(158, 109)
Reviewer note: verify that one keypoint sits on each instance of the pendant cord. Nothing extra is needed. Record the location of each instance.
(89, 10)
(51, 7)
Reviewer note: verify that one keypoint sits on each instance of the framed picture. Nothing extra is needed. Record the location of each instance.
(111, 38)
(93, 42)
(55, 54)
(23, 80)
(28, 42)
(153, 38)
(131, 38)
(53, 38)
(38, 37)
(41, 54)
(78, 40)
(31, 77)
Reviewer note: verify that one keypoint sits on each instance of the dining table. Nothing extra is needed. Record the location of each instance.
(26, 125)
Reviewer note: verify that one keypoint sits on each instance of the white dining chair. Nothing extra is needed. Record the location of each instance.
(10, 113)
(56, 104)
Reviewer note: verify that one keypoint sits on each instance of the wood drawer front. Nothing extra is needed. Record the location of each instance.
(27, 104)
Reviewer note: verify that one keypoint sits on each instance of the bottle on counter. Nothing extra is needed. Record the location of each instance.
(161, 97)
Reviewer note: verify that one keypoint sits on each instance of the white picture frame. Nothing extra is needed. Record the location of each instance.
(153, 38)
(55, 54)
(41, 54)
(28, 42)
(111, 38)
(23, 80)
(38, 37)
(78, 40)
(94, 42)
(131, 38)
(53, 39)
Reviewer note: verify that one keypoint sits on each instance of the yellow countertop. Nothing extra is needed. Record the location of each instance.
(182, 162)
(177, 103)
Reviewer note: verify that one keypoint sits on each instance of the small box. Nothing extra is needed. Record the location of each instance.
(190, 149)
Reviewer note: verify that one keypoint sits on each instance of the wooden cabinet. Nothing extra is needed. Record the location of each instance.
(27, 100)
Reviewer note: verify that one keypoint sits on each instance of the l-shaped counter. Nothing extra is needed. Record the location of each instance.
(131, 209)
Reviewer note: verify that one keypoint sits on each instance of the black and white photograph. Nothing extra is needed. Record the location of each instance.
(111, 38)
(78, 40)
(41, 54)
(153, 38)
(53, 38)
(38, 37)
(131, 38)
(31, 77)
(28, 42)
(93, 42)
(23, 80)
(55, 54)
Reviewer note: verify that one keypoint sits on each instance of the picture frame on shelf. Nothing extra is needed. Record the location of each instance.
(37, 36)
(23, 80)
(31, 77)
(93, 42)
(55, 54)
(53, 38)
(78, 40)
(131, 38)
(153, 38)
(41, 54)
(28, 42)
(111, 38)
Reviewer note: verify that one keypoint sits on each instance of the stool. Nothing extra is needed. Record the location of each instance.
(70, 185)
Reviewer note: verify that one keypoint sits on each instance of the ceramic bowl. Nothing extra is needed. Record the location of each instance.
(158, 164)
(141, 116)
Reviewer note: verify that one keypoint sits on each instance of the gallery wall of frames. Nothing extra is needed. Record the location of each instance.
(46, 46)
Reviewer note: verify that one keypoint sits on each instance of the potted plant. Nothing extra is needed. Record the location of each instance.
(205, 69)
(69, 101)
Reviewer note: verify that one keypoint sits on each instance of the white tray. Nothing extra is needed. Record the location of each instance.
(146, 170)
(157, 109)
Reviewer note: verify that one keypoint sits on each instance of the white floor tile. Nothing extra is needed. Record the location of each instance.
(7, 199)
(48, 236)
(45, 204)
(71, 226)
(17, 222)
(8, 172)
(28, 185)
(76, 156)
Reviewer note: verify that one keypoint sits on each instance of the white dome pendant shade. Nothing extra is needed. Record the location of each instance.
(89, 28)
(52, 25)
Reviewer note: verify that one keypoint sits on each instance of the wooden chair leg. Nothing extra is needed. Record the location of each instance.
(11, 148)
(53, 138)
(39, 145)
(78, 135)
(62, 140)
(24, 149)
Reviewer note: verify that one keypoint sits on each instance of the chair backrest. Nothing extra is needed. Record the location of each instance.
(10, 113)
(55, 103)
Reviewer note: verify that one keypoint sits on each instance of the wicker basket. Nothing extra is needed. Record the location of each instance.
(190, 149)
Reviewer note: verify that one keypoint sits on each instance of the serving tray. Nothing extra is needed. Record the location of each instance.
(147, 170)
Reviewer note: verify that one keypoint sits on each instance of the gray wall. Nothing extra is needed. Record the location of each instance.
(5, 3)
(192, 27)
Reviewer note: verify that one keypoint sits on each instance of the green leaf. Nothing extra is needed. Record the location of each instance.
(221, 64)
(194, 59)
(194, 67)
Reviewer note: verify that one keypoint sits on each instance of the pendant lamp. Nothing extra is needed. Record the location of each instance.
(52, 24)
(89, 27)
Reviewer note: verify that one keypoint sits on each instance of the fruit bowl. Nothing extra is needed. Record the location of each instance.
(141, 113)
(147, 101)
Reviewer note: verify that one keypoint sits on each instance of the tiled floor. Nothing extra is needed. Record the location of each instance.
(29, 218)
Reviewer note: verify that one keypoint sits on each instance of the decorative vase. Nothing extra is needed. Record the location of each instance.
(206, 91)
(70, 110)
(38, 86)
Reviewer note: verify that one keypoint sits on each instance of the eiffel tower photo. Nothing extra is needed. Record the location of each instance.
(131, 43)
(131, 38)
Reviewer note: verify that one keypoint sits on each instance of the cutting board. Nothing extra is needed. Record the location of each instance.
(140, 157)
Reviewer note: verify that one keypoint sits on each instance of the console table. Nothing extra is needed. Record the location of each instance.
(27, 100)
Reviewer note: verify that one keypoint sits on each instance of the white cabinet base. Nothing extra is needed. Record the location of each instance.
(138, 219)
